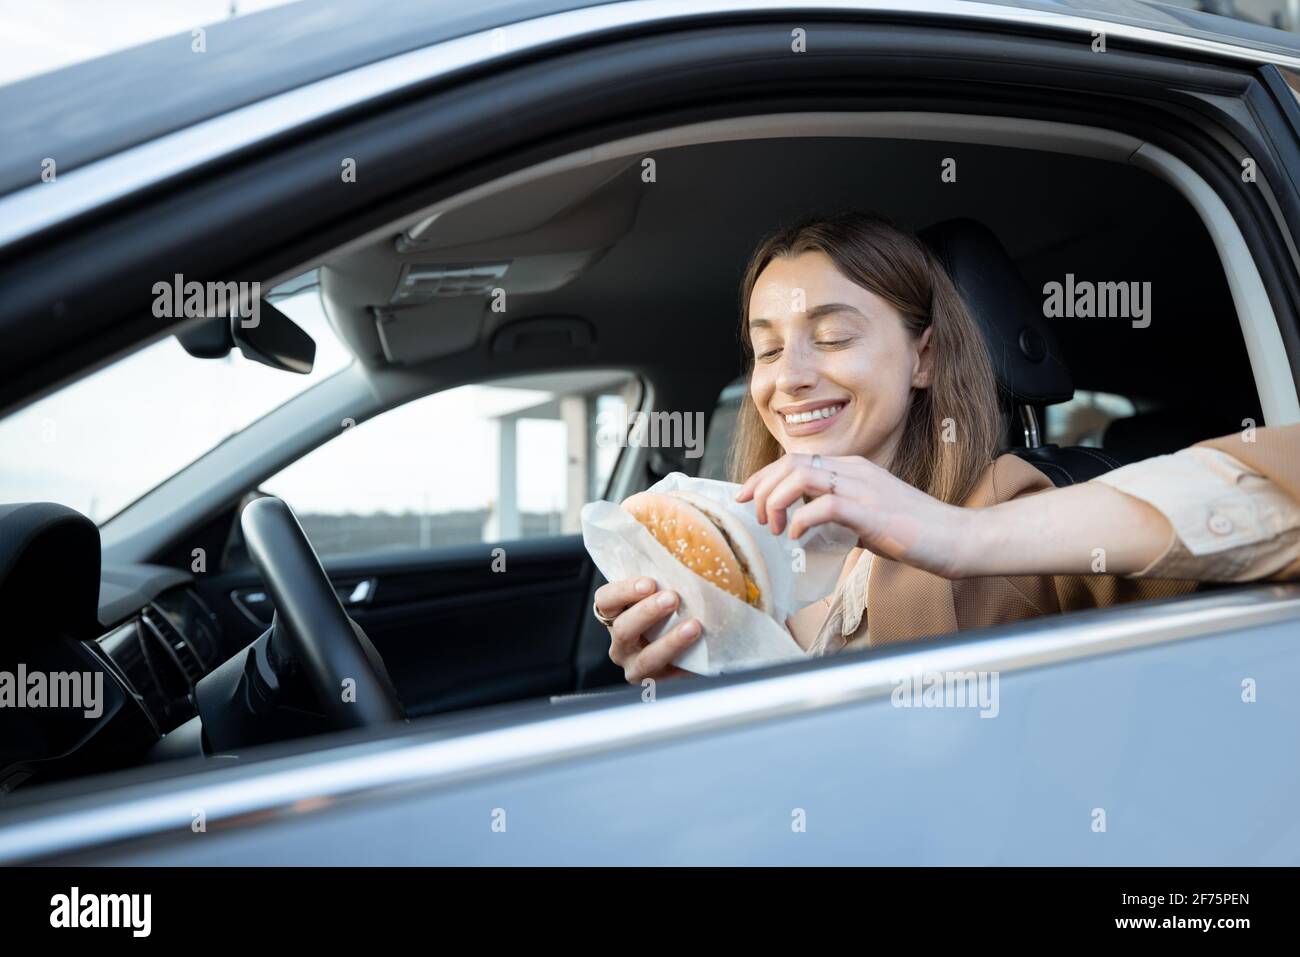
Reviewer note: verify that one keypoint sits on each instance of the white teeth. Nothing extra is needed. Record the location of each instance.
(825, 413)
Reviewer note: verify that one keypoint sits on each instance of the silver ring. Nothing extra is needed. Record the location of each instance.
(817, 464)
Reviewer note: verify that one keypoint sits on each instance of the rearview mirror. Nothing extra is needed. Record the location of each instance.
(269, 337)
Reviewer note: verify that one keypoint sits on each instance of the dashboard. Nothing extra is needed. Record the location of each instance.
(143, 670)
(163, 650)
(102, 662)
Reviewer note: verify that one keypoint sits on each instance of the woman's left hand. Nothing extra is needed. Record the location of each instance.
(891, 518)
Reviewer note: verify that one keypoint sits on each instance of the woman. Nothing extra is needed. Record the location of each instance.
(871, 395)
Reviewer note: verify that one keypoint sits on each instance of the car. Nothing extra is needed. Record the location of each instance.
(313, 345)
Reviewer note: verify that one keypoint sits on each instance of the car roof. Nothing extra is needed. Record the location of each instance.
(97, 108)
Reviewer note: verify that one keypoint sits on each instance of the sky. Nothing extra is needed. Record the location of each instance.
(41, 35)
(100, 443)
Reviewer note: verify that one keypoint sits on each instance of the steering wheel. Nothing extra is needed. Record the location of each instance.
(331, 648)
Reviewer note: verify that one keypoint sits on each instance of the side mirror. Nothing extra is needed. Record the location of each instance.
(268, 336)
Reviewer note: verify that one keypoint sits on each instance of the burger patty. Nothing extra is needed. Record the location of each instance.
(753, 595)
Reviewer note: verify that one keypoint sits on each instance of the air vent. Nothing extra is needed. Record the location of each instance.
(422, 282)
(189, 660)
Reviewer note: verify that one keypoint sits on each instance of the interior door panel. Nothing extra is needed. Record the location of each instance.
(454, 632)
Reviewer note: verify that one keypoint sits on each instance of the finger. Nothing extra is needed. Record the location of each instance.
(843, 510)
(633, 623)
(659, 654)
(775, 474)
(804, 481)
(747, 489)
(798, 474)
(847, 488)
(613, 597)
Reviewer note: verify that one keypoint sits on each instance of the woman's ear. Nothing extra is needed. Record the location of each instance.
(924, 360)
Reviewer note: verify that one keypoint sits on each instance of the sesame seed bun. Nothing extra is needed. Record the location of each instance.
(708, 540)
(743, 546)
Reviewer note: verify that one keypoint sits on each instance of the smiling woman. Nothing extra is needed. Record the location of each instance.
(850, 307)
(872, 396)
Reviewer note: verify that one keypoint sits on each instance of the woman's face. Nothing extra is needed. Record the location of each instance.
(834, 366)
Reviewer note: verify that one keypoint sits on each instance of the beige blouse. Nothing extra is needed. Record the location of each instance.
(1230, 524)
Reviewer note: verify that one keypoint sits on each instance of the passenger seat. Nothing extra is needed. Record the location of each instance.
(1027, 357)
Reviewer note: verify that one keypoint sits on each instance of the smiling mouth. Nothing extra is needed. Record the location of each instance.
(813, 415)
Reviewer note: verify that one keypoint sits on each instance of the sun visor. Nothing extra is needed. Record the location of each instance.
(429, 291)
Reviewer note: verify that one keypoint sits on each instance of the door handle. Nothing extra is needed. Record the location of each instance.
(358, 594)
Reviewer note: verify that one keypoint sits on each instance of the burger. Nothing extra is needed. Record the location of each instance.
(709, 540)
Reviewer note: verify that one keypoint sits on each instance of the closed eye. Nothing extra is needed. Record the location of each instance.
(771, 354)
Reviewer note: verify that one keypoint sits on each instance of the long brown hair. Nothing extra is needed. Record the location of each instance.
(953, 427)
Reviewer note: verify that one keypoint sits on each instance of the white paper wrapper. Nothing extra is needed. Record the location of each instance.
(736, 636)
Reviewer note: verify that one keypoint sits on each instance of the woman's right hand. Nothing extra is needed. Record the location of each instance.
(635, 606)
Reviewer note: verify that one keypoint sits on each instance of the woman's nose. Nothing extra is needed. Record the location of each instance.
(797, 373)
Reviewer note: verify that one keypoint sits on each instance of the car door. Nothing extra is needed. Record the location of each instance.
(1115, 737)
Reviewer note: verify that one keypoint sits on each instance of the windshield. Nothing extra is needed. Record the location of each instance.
(102, 442)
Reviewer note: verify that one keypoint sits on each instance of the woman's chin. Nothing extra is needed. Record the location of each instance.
(829, 445)
(811, 446)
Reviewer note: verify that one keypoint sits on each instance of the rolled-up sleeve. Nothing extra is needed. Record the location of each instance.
(1230, 523)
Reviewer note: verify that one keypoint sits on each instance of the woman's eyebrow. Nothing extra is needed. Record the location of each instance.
(817, 312)
(832, 307)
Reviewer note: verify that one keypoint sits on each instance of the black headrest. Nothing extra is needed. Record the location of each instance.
(1027, 358)
(49, 570)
